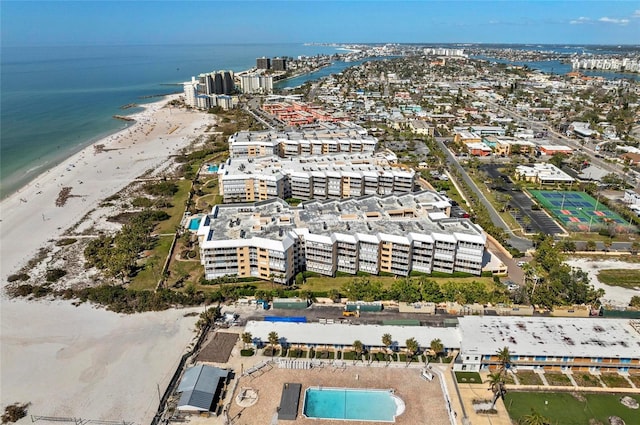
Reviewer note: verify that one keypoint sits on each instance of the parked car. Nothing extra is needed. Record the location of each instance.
(521, 263)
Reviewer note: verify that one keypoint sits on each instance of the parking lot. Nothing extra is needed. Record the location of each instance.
(520, 206)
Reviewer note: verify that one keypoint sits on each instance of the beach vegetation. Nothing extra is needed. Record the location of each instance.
(117, 255)
(53, 275)
(620, 277)
(161, 188)
(14, 412)
(17, 277)
(66, 241)
(142, 202)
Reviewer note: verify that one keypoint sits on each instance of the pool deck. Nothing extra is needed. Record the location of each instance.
(423, 399)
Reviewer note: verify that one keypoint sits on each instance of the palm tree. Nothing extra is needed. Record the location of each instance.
(504, 356)
(247, 338)
(387, 341)
(412, 348)
(358, 348)
(534, 418)
(273, 341)
(497, 386)
(437, 347)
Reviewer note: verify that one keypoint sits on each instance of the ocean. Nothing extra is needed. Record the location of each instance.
(57, 100)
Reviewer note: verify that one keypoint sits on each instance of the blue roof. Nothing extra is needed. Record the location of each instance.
(198, 386)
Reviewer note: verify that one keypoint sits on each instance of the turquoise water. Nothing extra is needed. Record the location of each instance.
(349, 404)
(213, 168)
(56, 100)
(194, 223)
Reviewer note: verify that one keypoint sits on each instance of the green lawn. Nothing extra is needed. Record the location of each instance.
(620, 277)
(176, 211)
(148, 277)
(565, 409)
(468, 378)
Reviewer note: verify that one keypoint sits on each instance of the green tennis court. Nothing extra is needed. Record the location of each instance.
(578, 211)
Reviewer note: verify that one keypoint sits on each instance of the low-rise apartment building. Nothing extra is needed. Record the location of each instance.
(249, 144)
(325, 177)
(558, 344)
(394, 234)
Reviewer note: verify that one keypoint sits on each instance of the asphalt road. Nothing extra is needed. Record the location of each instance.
(519, 243)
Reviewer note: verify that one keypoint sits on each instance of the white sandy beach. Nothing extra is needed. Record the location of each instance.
(30, 216)
(83, 361)
(86, 362)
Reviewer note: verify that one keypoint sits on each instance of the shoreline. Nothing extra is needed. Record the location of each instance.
(29, 217)
(89, 362)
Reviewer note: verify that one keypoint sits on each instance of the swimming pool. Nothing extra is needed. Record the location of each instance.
(213, 168)
(352, 404)
(194, 223)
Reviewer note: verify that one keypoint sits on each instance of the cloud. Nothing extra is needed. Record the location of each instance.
(636, 14)
(580, 20)
(615, 21)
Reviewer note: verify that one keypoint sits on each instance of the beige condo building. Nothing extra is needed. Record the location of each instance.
(394, 234)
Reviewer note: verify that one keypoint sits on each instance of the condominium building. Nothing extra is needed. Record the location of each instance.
(256, 83)
(209, 90)
(393, 234)
(279, 64)
(300, 143)
(544, 343)
(263, 63)
(325, 177)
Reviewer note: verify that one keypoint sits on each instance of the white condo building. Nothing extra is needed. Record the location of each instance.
(300, 143)
(323, 177)
(394, 234)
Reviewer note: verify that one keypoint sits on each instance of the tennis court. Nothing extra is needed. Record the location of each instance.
(579, 212)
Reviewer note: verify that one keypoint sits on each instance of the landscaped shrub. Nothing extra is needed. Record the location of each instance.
(349, 355)
(297, 353)
(247, 352)
(270, 352)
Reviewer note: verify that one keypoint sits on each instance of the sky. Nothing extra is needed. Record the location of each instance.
(52, 23)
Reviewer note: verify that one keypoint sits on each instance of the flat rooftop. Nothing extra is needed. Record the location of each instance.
(395, 215)
(344, 334)
(312, 134)
(569, 337)
(359, 164)
(274, 220)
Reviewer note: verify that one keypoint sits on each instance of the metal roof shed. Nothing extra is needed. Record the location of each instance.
(201, 387)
